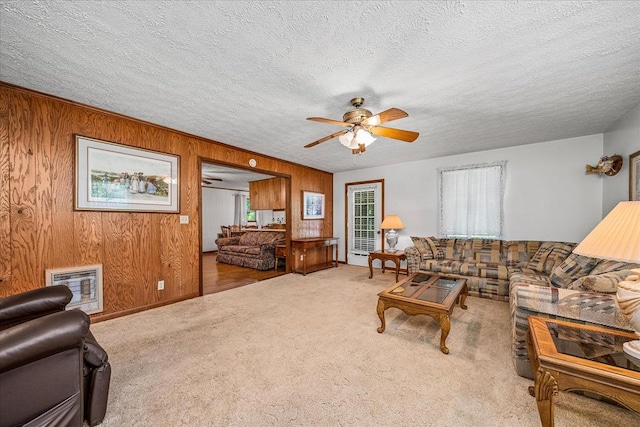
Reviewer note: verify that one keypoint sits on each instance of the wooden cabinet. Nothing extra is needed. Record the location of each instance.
(268, 194)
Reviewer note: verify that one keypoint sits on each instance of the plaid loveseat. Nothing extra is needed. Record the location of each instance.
(537, 278)
(254, 249)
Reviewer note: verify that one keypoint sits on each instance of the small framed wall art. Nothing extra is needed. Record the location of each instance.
(312, 205)
(115, 177)
(634, 176)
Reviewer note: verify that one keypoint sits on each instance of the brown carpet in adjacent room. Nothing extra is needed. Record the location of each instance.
(304, 351)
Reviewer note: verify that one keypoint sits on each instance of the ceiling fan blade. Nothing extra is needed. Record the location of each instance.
(326, 138)
(402, 135)
(385, 116)
(331, 122)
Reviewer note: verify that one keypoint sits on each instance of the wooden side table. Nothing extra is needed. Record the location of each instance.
(385, 256)
(281, 252)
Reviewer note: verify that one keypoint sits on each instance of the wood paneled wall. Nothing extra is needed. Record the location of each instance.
(39, 228)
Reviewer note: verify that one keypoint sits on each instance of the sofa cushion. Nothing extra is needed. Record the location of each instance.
(571, 269)
(606, 283)
(527, 276)
(253, 238)
(487, 250)
(444, 266)
(606, 266)
(425, 246)
(550, 255)
(489, 270)
(519, 252)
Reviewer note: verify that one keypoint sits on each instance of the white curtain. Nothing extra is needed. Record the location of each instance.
(264, 217)
(471, 201)
(240, 210)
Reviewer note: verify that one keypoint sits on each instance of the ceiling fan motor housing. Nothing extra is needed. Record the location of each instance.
(357, 114)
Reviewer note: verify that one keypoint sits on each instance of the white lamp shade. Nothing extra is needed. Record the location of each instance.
(616, 237)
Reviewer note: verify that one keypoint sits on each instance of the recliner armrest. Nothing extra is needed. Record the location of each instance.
(19, 308)
(94, 354)
(42, 337)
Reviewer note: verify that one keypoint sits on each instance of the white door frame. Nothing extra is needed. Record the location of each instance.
(349, 186)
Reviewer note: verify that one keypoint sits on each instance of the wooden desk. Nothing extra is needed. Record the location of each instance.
(314, 253)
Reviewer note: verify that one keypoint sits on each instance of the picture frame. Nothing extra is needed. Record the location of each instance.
(634, 176)
(85, 282)
(116, 177)
(312, 205)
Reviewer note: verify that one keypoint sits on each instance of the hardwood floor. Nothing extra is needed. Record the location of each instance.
(217, 277)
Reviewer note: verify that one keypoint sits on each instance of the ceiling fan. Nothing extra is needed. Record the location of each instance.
(362, 125)
(208, 181)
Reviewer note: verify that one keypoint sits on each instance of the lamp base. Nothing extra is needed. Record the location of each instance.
(392, 240)
(632, 348)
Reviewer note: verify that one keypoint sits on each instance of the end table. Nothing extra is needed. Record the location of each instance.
(385, 256)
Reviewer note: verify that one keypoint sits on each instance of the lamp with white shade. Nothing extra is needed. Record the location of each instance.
(392, 223)
(617, 237)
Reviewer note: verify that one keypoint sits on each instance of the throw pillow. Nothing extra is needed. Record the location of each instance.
(550, 255)
(423, 246)
(606, 283)
(571, 269)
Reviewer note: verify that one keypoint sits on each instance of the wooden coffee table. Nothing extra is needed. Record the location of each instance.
(428, 294)
(571, 356)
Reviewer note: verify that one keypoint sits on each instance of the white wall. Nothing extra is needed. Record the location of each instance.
(547, 197)
(217, 209)
(622, 138)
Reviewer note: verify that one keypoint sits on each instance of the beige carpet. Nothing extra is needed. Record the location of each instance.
(304, 351)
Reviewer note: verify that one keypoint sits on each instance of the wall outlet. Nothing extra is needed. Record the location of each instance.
(184, 219)
(160, 285)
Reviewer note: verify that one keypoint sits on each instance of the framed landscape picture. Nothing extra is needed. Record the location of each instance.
(312, 205)
(634, 176)
(115, 177)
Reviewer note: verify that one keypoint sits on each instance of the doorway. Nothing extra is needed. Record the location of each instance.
(364, 202)
(222, 187)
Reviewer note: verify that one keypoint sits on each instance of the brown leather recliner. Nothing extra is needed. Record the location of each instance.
(38, 304)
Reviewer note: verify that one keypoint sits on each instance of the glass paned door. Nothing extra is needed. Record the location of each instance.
(365, 211)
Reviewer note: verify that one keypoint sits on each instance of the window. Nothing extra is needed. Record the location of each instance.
(471, 201)
(251, 215)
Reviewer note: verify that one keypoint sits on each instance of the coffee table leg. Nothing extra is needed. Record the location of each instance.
(380, 310)
(544, 389)
(445, 324)
(463, 297)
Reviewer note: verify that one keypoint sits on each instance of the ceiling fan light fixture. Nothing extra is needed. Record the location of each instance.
(364, 137)
(346, 138)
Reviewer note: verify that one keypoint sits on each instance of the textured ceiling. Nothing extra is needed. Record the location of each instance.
(472, 75)
(218, 176)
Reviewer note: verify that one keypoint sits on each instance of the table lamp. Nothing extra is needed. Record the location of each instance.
(391, 223)
(617, 238)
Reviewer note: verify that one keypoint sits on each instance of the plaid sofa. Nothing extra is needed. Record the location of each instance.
(538, 278)
(254, 249)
